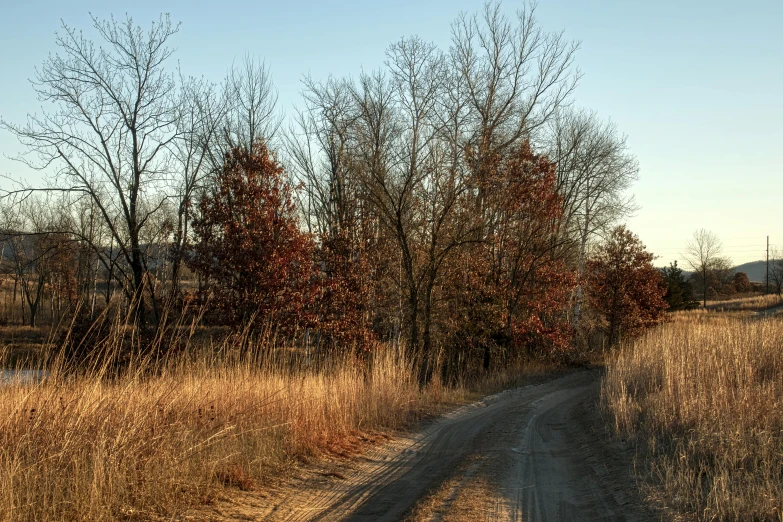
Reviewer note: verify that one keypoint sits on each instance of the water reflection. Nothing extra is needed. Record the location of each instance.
(21, 376)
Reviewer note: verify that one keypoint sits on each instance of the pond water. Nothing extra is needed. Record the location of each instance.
(21, 376)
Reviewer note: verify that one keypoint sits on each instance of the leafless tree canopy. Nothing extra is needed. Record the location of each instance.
(704, 253)
(136, 141)
(594, 172)
(515, 74)
(115, 117)
(407, 170)
(250, 109)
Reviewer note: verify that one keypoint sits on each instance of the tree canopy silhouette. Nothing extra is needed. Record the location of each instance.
(255, 261)
(625, 289)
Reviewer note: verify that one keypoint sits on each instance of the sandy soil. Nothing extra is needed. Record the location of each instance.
(531, 454)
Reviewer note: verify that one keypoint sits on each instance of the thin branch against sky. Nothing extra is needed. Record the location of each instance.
(700, 110)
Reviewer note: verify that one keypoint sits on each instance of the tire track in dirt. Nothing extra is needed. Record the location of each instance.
(530, 444)
(551, 480)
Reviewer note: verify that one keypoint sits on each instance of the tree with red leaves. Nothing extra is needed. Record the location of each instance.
(509, 291)
(536, 284)
(254, 260)
(345, 290)
(625, 289)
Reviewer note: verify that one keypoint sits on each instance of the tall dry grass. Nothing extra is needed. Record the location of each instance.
(704, 396)
(755, 303)
(148, 437)
(162, 435)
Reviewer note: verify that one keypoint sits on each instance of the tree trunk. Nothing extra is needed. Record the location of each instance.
(581, 265)
(13, 302)
(413, 305)
(704, 285)
(425, 371)
(138, 283)
(33, 313)
(579, 278)
(178, 249)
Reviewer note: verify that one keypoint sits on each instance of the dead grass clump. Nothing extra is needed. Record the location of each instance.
(704, 395)
(235, 476)
(755, 303)
(80, 446)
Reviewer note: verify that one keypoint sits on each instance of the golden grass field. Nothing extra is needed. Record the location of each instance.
(759, 302)
(88, 449)
(165, 437)
(702, 396)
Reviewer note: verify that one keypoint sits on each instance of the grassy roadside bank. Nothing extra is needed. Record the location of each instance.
(756, 303)
(702, 397)
(150, 444)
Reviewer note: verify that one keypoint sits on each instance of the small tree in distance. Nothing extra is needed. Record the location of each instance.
(625, 289)
(679, 291)
(254, 260)
(742, 283)
(776, 270)
(703, 253)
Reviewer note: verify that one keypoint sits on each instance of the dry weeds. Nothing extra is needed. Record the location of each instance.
(162, 437)
(704, 396)
(755, 303)
(88, 447)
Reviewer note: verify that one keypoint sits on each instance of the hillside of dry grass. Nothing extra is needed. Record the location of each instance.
(702, 397)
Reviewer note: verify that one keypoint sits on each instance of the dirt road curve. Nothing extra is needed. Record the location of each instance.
(769, 312)
(530, 454)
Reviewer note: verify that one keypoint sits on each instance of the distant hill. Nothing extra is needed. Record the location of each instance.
(756, 270)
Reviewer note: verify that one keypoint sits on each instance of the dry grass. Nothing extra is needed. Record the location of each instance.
(704, 396)
(159, 437)
(755, 303)
(458, 499)
(140, 446)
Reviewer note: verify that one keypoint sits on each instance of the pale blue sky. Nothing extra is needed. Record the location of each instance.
(696, 85)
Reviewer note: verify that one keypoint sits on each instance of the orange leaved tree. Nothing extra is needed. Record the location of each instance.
(535, 283)
(625, 289)
(254, 261)
(508, 293)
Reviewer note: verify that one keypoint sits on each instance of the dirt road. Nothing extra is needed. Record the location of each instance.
(530, 454)
(769, 312)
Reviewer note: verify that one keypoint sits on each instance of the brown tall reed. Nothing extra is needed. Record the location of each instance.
(704, 396)
(155, 434)
(144, 425)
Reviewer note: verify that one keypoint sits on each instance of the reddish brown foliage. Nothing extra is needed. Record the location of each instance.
(255, 261)
(742, 283)
(624, 288)
(510, 290)
(534, 283)
(345, 283)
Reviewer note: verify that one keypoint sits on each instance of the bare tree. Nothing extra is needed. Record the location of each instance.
(414, 176)
(37, 251)
(87, 226)
(201, 116)
(594, 171)
(250, 102)
(319, 147)
(703, 253)
(776, 270)
(398, 126)
(516, 75)
(115, 116)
